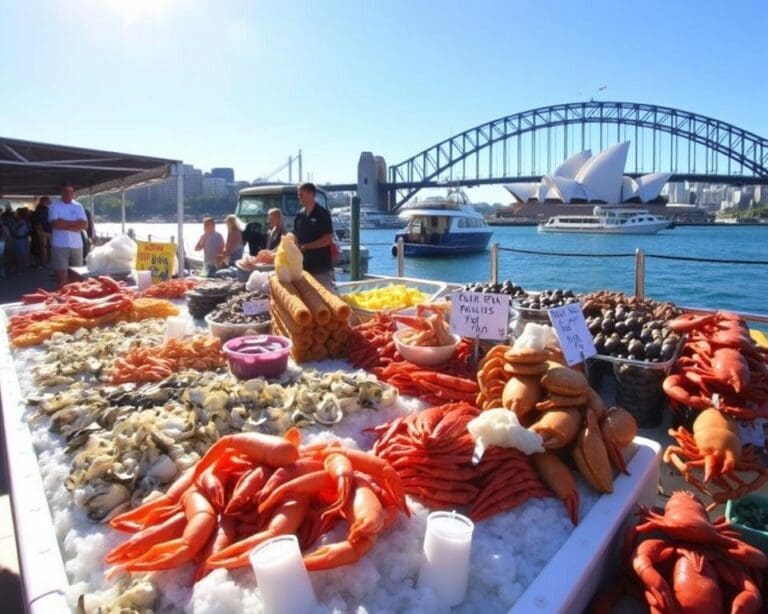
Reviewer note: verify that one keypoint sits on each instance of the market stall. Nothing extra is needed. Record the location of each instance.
(156, 439)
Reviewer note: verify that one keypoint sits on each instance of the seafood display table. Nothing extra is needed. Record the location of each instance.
(81, 272)
(566, 583)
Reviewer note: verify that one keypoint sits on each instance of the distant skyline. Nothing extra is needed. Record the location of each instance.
(246, 84)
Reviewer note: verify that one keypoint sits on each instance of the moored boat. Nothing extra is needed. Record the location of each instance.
(608, 220)
(443, 226)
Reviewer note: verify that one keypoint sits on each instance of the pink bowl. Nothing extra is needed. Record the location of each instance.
(246, 365)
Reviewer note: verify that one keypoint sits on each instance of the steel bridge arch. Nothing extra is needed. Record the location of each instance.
(745, 148)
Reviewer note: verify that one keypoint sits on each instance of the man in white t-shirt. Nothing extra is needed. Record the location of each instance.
(67, 218)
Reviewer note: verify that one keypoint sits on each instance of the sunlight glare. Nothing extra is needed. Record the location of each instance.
(133, 11)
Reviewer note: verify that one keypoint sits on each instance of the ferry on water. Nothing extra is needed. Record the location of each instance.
(608, 220)
(443, 226)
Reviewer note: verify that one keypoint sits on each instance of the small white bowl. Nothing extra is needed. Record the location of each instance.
(424, 355)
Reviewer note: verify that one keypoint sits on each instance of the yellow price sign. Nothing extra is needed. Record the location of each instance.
(156, 257)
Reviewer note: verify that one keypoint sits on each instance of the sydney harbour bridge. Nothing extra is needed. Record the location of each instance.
(524, 146)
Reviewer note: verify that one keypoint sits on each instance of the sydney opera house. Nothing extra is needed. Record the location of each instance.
(583, 181)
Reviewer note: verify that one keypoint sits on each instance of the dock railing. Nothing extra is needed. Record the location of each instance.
(640, 256)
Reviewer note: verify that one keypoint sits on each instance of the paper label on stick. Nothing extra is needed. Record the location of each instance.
(575, 339)
(252, 308)
(479, 315)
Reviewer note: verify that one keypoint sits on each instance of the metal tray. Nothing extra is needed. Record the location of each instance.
(435, 289)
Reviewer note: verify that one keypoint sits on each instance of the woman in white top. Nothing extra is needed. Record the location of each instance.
(233, 250)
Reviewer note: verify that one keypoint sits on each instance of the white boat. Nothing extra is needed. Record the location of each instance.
(608, 220)
(370, 218)
(443, 226)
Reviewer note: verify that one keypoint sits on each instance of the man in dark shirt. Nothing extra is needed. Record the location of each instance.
(254, 237)
(314, 235)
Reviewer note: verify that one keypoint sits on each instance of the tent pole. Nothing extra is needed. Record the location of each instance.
(180, 216)
(122, 208)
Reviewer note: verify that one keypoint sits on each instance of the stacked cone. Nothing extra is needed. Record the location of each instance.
(313, 318)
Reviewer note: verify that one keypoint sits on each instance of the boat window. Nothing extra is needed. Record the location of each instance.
(462, 223)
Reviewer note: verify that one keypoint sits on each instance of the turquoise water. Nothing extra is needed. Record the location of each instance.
(725, 286)
(728, 286)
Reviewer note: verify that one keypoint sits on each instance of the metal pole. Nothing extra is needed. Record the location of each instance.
(400, 257)
(122, 208)
(639, 273)
(290, 169)
(90, 202)
(300, 170)
(354, 238)
(180, 217)
(495, 263)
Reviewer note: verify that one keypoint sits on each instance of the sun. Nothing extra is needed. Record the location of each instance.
(133, 11)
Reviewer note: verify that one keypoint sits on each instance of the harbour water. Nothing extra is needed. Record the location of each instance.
(726, 286)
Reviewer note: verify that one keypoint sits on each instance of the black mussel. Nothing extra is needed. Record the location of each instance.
(646, 336)
(595, 325)
(608, 325)
(610, 345)
(599, 342)
(621, 327)
(632, 323)
(652, 350)
(609, 314)
(636, 347)
(621, 347)
(620, 312)
(667, 352)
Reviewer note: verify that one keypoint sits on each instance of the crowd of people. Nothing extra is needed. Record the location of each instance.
(312, 227)
(52, 235)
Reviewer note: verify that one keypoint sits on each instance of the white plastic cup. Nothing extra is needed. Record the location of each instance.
(281, 576)
(176, 327)
(444, 563)
(143, 280)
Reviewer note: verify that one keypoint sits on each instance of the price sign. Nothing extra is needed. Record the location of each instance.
(572, 332)
(252, 308)
(480, 315)
(156, 257)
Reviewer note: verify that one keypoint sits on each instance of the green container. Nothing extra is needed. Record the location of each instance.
(755, 537)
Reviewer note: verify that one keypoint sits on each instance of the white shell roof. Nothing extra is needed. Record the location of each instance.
(650, 186)
(629, 188)
(571, 167)
(601, 175)
(523, 191)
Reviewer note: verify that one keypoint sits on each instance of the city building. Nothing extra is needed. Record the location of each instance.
(215, 187)
(225, 173)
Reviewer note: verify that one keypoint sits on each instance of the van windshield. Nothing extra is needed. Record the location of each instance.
(250, 206)
(257, 205)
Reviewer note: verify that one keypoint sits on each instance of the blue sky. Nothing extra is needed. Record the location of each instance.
(245, 84)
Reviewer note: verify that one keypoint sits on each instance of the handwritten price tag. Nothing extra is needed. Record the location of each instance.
(480, 315)
(572, 332)
(252, 308)
(156, 257)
